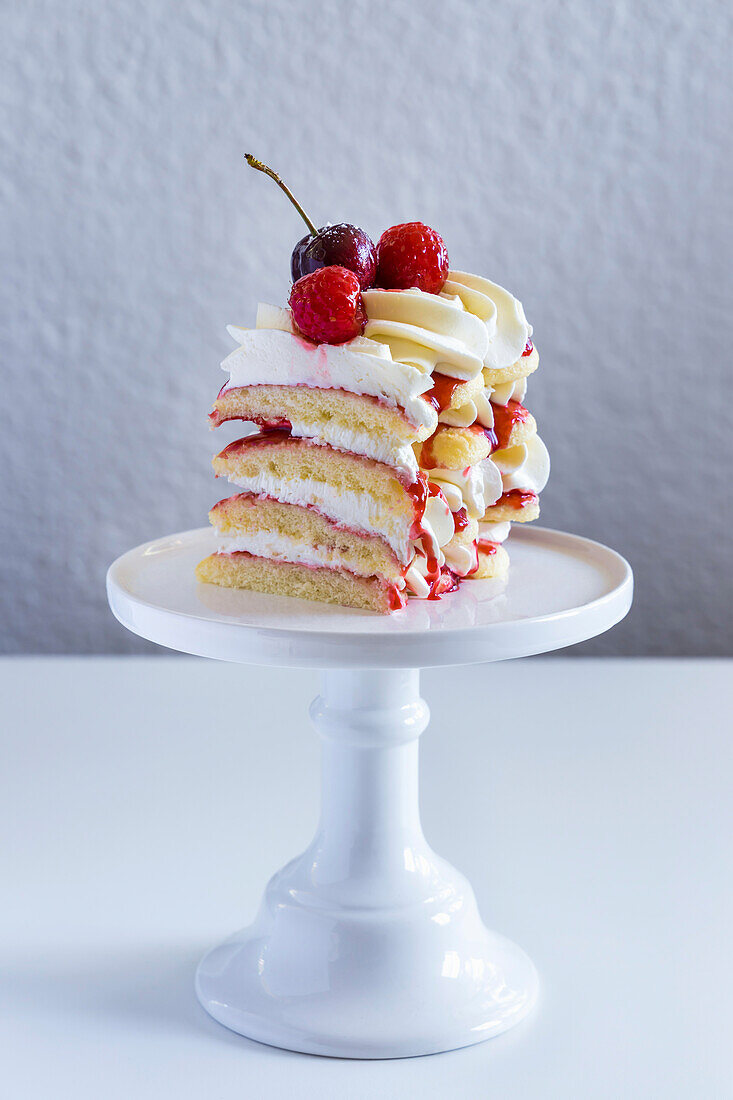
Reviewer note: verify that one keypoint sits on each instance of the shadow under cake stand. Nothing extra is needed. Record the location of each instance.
(369, 945)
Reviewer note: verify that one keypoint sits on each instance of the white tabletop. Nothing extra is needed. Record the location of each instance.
(145, 802)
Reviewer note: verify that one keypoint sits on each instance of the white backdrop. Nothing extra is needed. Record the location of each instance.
(576, 152)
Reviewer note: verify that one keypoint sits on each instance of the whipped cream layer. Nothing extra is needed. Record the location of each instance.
(280, 547)
(268, 356)
(351, 508)
(494, 532)
(268, 544)
(525, 467)
(379, 447)
(437, 530)
(357, 510)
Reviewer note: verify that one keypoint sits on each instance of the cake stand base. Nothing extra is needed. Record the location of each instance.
(368, 945)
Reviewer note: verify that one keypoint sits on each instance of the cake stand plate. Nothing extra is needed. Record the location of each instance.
(369, 945)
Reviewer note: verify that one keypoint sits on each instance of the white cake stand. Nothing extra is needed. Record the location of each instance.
(369, 945)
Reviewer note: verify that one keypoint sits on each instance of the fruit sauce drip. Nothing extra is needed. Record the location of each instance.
(492, 438)
(528, 348)
(506, 417)
(460, 520)
(484, 546)
(428, 460)
(446, 582)
(397, 599)
(439, 578)
(441, 394)
(517, 498)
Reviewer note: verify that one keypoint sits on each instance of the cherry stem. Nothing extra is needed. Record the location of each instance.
(254, 163)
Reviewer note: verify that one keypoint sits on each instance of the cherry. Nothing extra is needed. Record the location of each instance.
(341, 245)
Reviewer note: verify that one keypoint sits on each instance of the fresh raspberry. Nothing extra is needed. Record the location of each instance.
(327, 305)
(410, 255)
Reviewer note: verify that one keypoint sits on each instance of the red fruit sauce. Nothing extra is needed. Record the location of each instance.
(492, 438)
(505, 418)
(460, 520)
(418, 492)
(397, 599)
(528, 349)
(486, 547)
(446, 582)
(441, 395)
(517, 498)
(427, 456)
(269, 435)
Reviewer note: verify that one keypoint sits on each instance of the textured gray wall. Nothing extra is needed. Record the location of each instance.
(577, 152)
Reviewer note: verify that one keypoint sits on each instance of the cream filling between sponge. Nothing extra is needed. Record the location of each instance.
(268, 356)
(379, 447)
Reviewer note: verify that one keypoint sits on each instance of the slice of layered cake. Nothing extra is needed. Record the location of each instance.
(392, 448)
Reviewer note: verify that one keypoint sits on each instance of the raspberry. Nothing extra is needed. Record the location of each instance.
(327, 305)
(410, 255)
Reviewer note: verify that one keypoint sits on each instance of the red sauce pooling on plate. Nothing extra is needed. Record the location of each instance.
(446, 582)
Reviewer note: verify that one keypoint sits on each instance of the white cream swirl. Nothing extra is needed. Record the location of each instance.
(501, 313)
(509, 391)
(461, 558)
(278, 357)
(525, 467)
(475, 488)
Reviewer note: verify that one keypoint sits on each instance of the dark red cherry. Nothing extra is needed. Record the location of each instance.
(330, 246)
(298, 266)
(339, 245)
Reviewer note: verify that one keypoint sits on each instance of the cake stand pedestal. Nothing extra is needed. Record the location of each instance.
(369, 945)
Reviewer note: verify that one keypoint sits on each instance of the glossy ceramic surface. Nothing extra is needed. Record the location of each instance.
(562, 589)
(369, 945)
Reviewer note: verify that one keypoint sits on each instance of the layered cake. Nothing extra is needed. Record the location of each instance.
(392, 449)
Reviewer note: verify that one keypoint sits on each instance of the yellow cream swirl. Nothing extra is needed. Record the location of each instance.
(432, 332)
